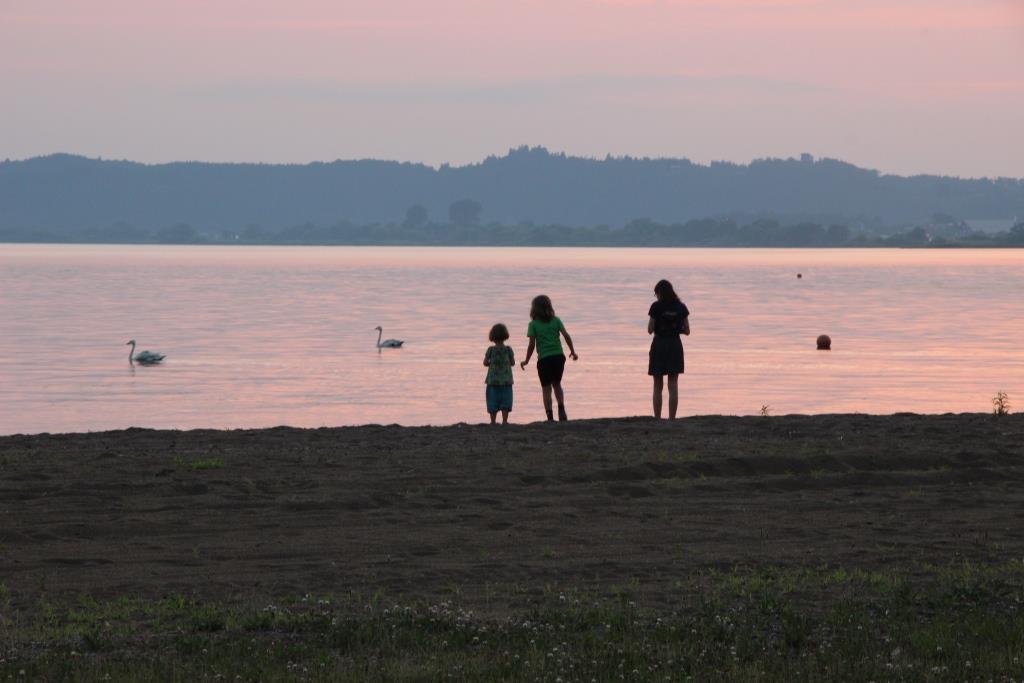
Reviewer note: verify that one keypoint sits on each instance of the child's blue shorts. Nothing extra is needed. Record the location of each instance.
(499, 397)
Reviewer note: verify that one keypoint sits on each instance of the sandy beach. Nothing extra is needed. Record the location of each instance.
(418, 513)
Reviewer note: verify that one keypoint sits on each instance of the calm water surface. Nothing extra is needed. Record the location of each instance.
(259, 336)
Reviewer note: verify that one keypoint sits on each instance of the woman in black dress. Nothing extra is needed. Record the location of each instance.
(668, 318)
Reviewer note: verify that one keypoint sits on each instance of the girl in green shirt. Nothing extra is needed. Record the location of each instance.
(543, 332)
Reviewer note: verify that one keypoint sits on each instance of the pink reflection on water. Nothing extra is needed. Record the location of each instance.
(259, 336)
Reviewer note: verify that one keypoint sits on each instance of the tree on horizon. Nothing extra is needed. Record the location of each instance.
(465, 212)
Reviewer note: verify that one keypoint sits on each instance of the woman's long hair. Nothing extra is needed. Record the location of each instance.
(541, 308)
(664, 291)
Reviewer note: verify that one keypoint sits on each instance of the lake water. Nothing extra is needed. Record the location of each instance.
(260, 336)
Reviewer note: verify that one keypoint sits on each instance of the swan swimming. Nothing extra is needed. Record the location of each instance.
(144, 357)
(387, 343)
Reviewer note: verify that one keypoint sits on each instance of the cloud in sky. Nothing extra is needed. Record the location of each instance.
(904, 85)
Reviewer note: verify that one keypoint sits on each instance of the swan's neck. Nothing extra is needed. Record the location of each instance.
(131, 352)
(380, 333)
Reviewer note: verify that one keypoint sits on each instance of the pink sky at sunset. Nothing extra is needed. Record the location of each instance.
(904, 86)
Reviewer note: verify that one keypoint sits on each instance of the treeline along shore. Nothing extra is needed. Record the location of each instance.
(637, 233)
(788, 548)
(529, 196)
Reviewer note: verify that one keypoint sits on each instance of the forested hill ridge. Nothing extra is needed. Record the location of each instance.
(60, 196)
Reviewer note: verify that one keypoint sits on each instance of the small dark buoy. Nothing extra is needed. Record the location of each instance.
(824, 342)
(799, 275)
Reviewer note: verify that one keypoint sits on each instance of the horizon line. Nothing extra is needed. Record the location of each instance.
(803, 157)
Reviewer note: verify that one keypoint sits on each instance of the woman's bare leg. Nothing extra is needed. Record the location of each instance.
(546, 390)
(673, 396)
(658, 384)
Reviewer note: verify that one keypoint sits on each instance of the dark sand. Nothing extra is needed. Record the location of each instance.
(478, 510)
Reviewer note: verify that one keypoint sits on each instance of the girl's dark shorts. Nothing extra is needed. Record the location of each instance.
(550, 369)
(499, 397)
(666, 356)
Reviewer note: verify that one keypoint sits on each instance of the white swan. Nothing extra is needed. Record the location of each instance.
(387, 343)
(144, 357)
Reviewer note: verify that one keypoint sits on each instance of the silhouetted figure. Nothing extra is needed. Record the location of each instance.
(543, 332)
(668, 318)
(824, 342)
(499, 360)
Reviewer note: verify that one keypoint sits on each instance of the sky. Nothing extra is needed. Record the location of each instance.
(904, 86)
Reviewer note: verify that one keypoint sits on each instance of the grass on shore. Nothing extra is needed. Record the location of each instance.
(961, 622)
(199, 464)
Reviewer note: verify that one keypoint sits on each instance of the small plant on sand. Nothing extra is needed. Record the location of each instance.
(766, 410)
(200, 463)
(207, 463)
(1000, 404)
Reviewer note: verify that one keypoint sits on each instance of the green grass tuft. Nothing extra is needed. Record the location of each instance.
(198, 464)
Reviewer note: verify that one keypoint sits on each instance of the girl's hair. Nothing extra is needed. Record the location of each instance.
(541, 308)
(664, 291)
(498, 333)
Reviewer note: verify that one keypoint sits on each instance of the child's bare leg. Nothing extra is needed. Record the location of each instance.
(504, 417)
(673, 396)
(659, 383)
(560, 397)
(494, 417)
(546, 390)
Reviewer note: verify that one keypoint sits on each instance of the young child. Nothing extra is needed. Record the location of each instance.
(499, 360)
(543, 333)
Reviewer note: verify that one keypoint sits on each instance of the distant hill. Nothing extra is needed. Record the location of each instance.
(63, 194)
